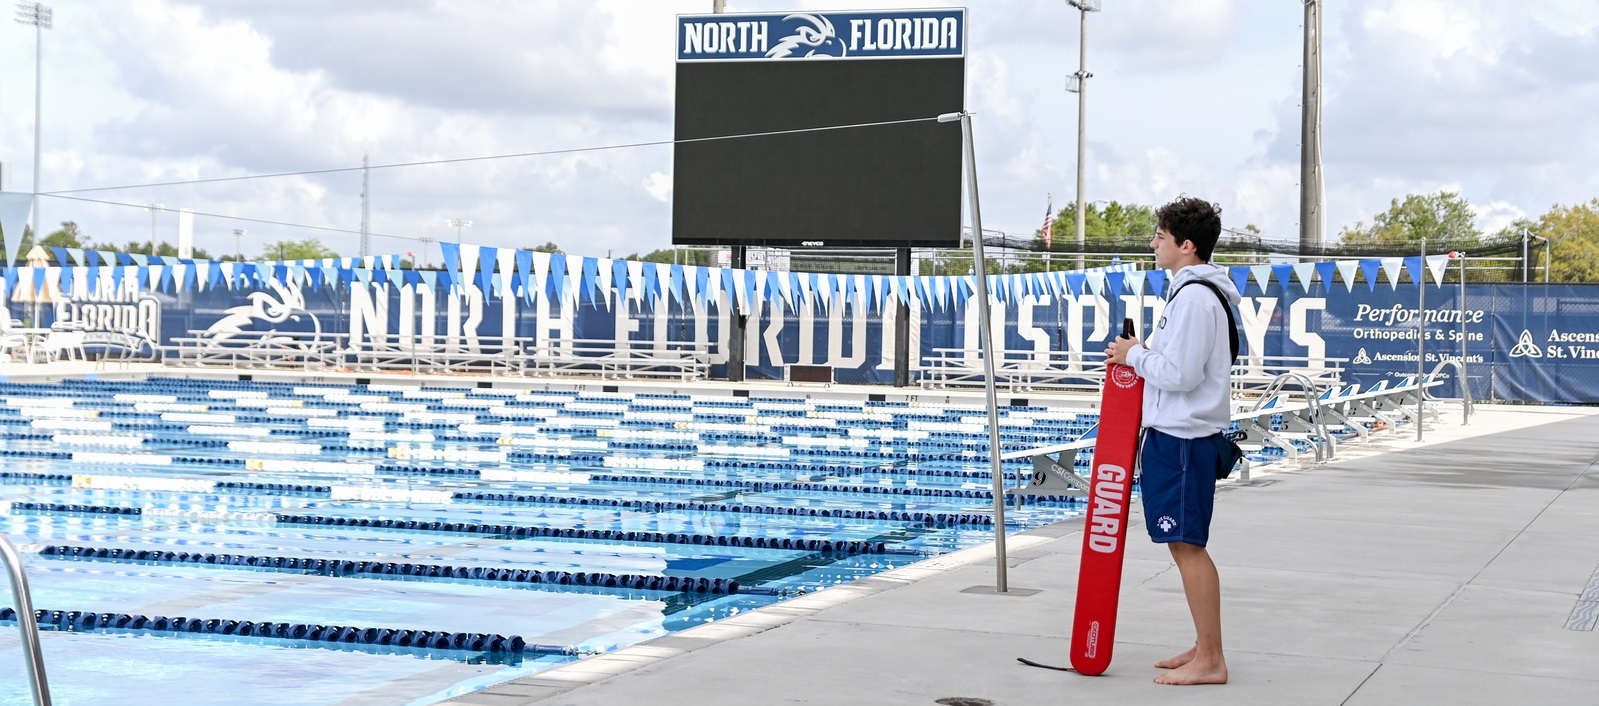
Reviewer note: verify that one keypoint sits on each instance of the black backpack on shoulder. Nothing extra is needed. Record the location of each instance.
(1232, 322)
(1231, 454)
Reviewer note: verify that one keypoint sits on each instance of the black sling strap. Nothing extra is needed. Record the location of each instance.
(1232, 323)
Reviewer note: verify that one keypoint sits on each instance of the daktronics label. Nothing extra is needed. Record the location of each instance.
(811, 35)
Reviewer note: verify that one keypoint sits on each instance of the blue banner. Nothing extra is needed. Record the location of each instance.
(902, 34)
(1526, 343)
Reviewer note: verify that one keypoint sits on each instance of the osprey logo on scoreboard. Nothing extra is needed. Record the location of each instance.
(904, 34)
(814, 36)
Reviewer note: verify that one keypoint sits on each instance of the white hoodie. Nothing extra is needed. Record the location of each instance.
(1188, 359)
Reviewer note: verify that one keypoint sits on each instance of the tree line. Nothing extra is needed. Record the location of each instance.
(1444, 218)
(71, 236)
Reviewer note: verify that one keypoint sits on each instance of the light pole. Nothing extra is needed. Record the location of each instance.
(985, 344)
(460, 224)
(1078, 83)
(154, 209)
(1311, 212)
(40, 16)
(1539, 238)
(426, 243)
(238, 244)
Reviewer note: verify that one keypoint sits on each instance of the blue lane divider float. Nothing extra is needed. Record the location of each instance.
(301, 489)
(81, 621)
(346, 568)
(19, 477)
(76, 508)
(929, 518)
(840, 546)
(761, 486)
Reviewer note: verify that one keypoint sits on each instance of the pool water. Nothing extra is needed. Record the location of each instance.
(320, 544)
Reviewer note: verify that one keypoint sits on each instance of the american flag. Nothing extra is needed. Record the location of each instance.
(1049, 221)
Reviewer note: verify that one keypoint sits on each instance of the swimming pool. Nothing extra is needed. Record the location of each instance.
(290, 543)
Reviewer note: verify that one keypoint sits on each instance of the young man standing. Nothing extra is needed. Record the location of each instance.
(1185, 366)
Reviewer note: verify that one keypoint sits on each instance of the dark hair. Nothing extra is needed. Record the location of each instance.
(1189, 218)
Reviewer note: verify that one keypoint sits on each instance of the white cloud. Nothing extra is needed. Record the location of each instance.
(1492, 217)
(1196, 97)
(659, 186)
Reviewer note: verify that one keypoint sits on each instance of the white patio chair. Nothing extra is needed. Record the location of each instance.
(58, 342)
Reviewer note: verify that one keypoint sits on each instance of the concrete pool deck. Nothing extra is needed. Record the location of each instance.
(1444, 571)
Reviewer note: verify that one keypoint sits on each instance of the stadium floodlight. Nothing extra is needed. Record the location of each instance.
(238, 244)
(42, 17)
(459, 224)
(425, 241)
(1078, 83)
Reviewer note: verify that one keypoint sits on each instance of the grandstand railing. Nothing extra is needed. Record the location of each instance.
(1253, 375)
(679, 360)
(435, 355)
(304, 350)
(1030, 370)
(1015, 371)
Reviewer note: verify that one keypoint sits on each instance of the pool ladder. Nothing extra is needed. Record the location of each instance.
(1466, 405)
(1324, 444)
(27, 622)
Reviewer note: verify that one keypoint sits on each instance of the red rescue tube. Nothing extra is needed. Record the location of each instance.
(1099, 573)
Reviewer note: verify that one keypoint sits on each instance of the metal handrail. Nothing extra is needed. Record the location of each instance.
(28, 623)
(1318, 425)
(1466, 405)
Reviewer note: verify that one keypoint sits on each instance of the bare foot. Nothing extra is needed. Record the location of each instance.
(1195, 673)
(1178, 661)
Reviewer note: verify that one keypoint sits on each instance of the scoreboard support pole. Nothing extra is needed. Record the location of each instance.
(902, 324)
(735, 326)
(986, 344)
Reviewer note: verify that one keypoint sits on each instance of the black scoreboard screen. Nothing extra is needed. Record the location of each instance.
(819, 150)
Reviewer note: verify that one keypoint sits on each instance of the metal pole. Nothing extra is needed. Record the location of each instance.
(1546, 246)
(27, 624)
(1082, 113)
(1465, 392)
(41, 17)
(1310, 211)
(366, 212)
(154, 208)
(902, 324)
(1421, 339)
(238, 244)
(38, 97)
(986, 344)
(1526, 270)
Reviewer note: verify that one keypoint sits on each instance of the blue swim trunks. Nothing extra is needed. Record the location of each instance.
(1178, 486)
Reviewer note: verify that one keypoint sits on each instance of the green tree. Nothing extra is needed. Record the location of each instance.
(1116, 222)
(162, 249)
(1108, 226)
(67, 236)
(1573, 238)
(549, 247)
(703, 258)
(1442, 218)
(308, 249)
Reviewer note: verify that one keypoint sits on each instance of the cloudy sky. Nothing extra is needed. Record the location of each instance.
(1497, 100)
